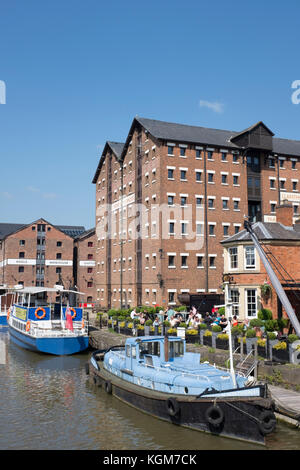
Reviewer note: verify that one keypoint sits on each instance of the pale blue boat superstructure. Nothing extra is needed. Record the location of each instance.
(32, 324)
(143, 363)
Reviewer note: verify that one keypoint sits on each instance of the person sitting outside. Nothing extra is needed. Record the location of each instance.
(142, 319)
(234, 321)
(156, 321)
(223, 322)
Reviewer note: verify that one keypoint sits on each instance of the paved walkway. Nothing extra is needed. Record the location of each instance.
(287, 403)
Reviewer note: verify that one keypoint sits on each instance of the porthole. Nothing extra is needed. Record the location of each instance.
(186, 390)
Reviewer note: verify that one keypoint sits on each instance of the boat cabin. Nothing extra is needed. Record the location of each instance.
(153, 350)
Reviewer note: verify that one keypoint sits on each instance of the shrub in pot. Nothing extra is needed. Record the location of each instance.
(265, 314)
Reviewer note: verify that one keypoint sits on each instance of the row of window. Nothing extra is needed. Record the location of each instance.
(199, 176)
(282, 183)
(211, 200)
(199, 153)
(41, 255)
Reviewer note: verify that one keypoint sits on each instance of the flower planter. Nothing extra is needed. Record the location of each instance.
(192, 339)
(271, 343)
(280, 355)
(222, 344)
(262, 351)
(147, 330)
(250, 343)
(207, 341)
(294, 355)
(140, 332)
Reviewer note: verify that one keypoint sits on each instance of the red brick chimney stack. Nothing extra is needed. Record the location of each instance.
(284, 213)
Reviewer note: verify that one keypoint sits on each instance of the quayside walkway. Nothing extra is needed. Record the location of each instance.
(287, 404)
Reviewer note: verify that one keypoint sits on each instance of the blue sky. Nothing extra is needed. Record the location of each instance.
(77, 72)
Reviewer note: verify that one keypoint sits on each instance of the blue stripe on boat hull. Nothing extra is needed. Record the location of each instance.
(57, 346)
(3, 320)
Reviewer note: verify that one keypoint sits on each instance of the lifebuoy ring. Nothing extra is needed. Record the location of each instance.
(27, 326)
(173, 407)
(40, 317)
(74, 312)
(267, 422)
(8, 313)
(214, 415)
(108, 387)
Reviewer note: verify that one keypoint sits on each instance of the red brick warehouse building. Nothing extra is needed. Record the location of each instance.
(192, 187)
(37, 254)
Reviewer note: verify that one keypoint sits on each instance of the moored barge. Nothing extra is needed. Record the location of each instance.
(158, 376)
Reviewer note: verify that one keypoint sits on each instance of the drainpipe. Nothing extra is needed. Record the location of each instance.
(205, 221)
(121, 239)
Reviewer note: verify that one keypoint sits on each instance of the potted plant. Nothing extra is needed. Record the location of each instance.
(148, 324)
(166, 324)
(192, 336)
(262, 347)
(280, 352)
(293, 350)
(251, 339)
(207, 338)
(272, 340)
(215, 329)
(266, 291)
(222, 341)
(171, 331)
(140, 330)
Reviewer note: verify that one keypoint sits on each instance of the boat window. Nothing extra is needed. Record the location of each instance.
(152, 348)
(133, 351)
(176, 349)
(127, 351)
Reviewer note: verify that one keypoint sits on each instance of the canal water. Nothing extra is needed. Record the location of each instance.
(48, 403)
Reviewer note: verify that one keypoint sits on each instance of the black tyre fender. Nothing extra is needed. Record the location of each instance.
(267, 422)
(108, 387)
(97, 381)
(173, 407)
(214, 415)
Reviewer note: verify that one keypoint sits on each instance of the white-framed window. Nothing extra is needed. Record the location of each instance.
(251, 302)
(233, 257)
(234, 295)
(249, 257)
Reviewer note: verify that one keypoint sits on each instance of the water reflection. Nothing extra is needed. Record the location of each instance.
(50, 403)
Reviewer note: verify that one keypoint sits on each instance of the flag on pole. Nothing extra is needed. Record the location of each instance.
(69, 321)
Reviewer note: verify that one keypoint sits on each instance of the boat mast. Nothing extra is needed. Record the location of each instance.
(228, 307)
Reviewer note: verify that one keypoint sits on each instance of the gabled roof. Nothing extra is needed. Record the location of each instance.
(7, 229)
(116, 148)
(252, 128)
(86, 234)
(174, 132)
(70, 230)
(266, 231)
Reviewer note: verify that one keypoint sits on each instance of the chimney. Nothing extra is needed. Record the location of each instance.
(285, 213)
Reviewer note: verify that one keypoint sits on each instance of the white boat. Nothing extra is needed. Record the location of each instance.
(52, 328)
